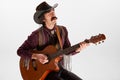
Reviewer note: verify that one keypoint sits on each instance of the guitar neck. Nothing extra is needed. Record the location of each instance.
(70, 49)
(93, 39)
(65, 51)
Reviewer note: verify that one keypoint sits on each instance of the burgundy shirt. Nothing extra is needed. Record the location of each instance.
(32, 41)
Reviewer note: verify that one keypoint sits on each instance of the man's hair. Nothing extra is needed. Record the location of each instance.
(41, 18)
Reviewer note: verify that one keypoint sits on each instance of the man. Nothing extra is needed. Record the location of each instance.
(47, 35)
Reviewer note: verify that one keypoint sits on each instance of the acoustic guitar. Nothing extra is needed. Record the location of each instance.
(38, 71)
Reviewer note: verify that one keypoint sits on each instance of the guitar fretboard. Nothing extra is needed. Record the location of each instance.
(65, 51)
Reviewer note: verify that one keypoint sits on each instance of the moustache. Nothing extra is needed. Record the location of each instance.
(53, 18)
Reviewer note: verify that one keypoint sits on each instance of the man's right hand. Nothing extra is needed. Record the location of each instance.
(40, 57)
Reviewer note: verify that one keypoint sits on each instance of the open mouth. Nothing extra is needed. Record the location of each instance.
(53, 18)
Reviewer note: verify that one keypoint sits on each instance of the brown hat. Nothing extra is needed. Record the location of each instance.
(41, 9)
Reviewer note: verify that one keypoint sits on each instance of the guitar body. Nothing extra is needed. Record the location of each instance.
(42, 70)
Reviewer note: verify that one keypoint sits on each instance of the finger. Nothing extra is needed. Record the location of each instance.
(42, 56)
(43, 61)
(45, 57)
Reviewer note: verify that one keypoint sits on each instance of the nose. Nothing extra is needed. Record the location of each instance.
(52, 13)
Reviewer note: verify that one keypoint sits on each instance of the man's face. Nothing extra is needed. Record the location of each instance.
(50, 17)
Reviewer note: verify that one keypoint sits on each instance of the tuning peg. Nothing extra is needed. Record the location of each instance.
(95, 43)
(99, 42)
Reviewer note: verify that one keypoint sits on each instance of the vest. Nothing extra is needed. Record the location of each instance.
(42, 36)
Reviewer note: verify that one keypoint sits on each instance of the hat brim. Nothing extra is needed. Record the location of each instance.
(38, 14)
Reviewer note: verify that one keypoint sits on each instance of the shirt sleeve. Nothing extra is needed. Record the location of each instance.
(29, 44)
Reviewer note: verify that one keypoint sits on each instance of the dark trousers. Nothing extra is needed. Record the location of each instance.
(63, 74)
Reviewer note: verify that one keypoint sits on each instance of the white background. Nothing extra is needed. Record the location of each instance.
(83, 19)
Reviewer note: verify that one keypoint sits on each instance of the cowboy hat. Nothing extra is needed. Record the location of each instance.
(41, 9)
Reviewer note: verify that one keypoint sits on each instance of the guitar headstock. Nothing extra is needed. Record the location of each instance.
(96, 39)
